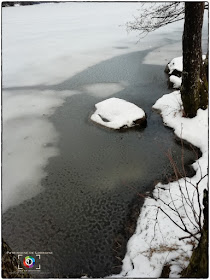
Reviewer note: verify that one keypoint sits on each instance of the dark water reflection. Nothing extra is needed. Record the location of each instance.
(93, 181)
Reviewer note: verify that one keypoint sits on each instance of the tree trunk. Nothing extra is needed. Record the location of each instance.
(193, 89)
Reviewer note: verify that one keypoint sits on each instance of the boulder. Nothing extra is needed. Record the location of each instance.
(117, 113)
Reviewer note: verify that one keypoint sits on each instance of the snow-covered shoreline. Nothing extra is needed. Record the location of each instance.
(157, 240)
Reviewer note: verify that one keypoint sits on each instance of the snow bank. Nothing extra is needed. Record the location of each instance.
(156, 241)
(117, 113)
(195, 130)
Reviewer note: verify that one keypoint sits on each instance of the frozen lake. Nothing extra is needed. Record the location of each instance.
(74, 182)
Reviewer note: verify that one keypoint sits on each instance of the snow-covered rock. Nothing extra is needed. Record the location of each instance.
(175, 81)
(117, 113)
(176, 64)
(174, 68)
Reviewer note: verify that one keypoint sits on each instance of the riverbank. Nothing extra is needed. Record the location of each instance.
(160, 239)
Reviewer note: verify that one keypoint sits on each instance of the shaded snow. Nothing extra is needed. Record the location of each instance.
(116, 113)
(156, 240)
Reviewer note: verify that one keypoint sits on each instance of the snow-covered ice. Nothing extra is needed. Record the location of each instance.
(45, 45)
(71, 36)
(29, 140)
(117, 113)
(104, 89)
(156, 240)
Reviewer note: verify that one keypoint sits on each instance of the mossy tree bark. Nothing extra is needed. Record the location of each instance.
(194, 90)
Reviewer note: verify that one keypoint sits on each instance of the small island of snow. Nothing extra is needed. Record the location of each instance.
(117, 113)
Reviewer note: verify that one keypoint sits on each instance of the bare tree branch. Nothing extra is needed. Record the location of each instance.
(156, 15)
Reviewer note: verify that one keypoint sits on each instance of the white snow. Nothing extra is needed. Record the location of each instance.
(156, 240)
(117, 112)
(177, 81)
(176, 64)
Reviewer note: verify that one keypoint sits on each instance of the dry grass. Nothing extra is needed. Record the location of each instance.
(160, 249)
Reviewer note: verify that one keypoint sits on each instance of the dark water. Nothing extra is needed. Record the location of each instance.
(92, 183)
